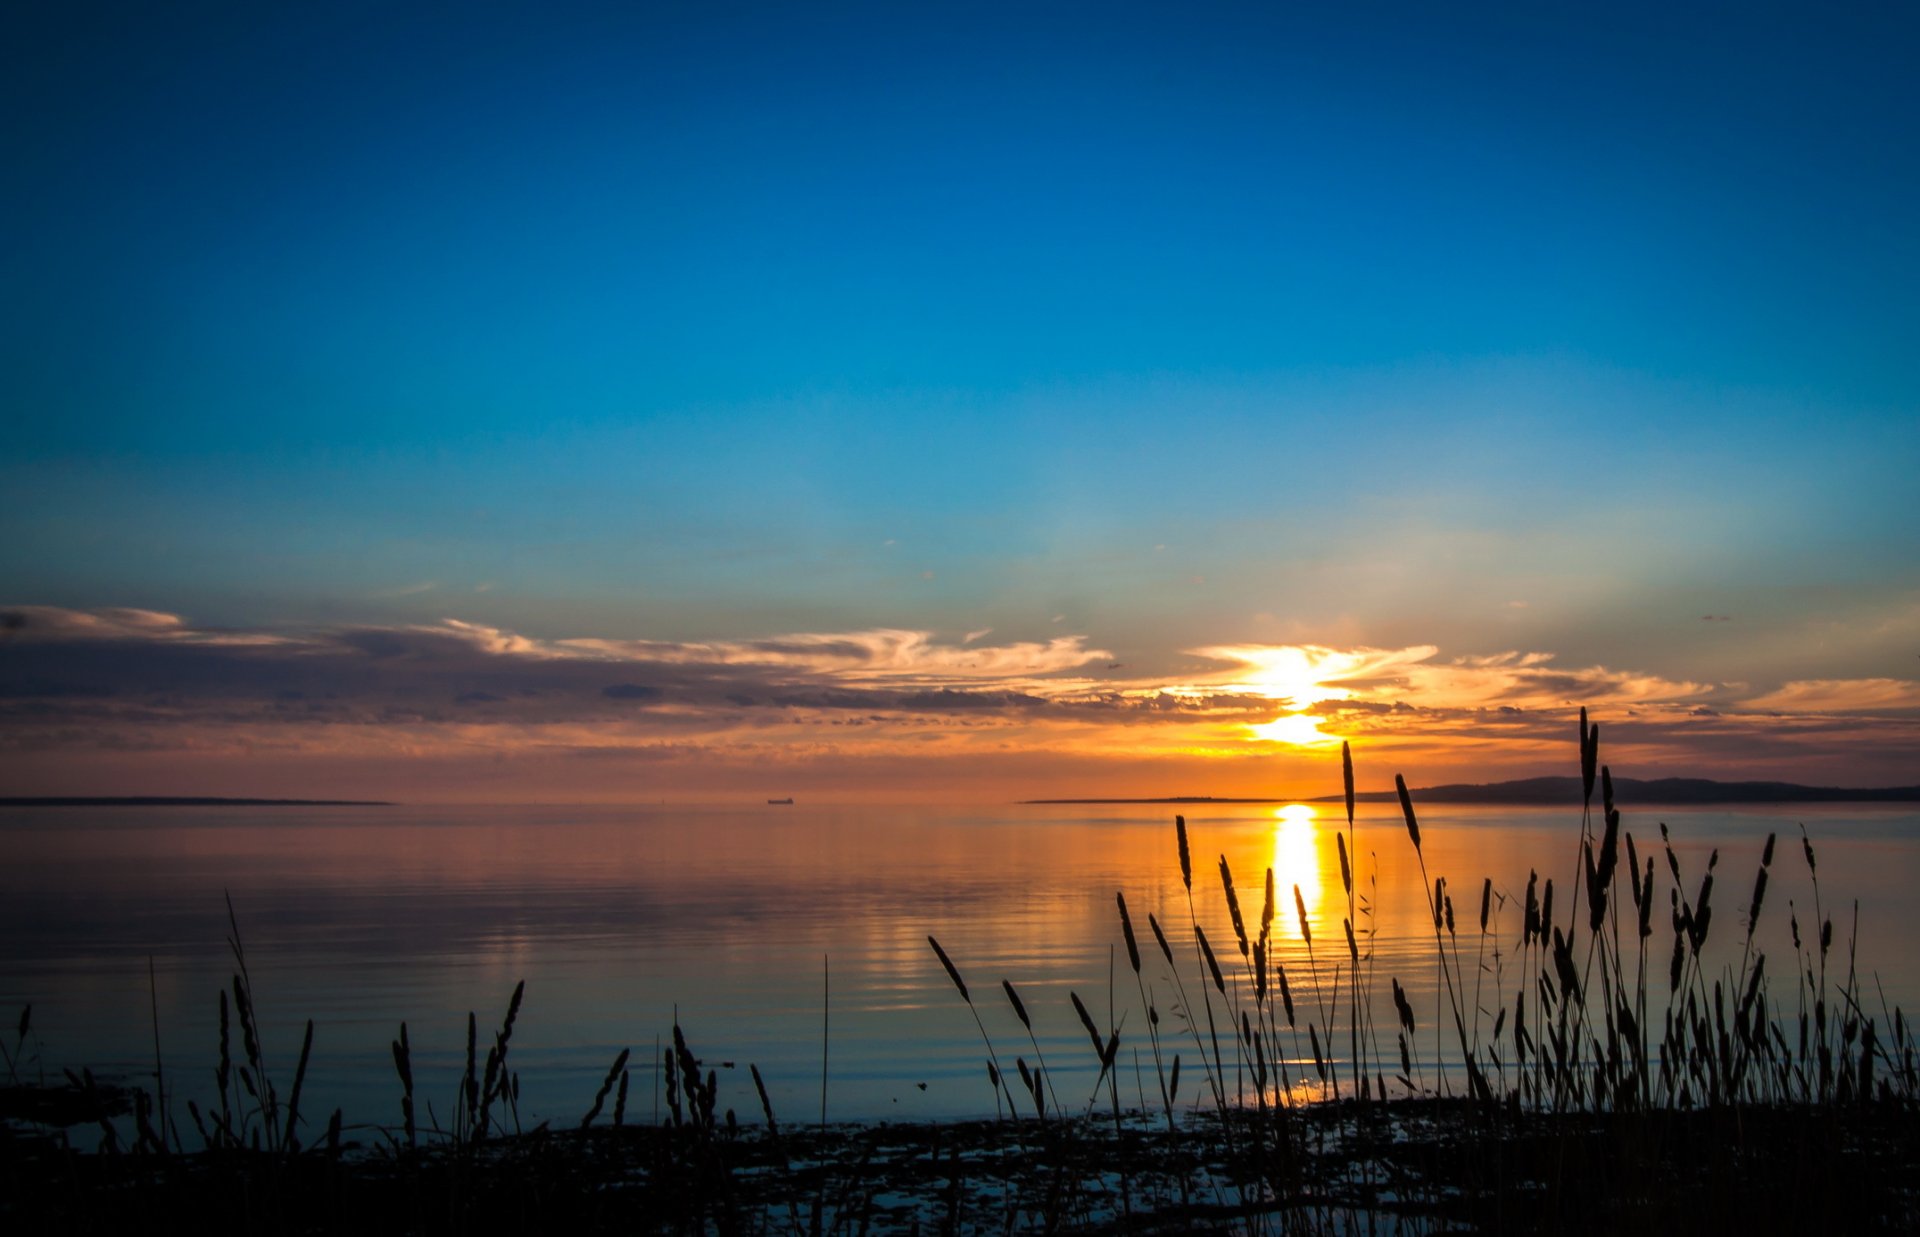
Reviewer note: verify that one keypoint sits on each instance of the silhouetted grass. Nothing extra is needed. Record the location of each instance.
(1631, 1081)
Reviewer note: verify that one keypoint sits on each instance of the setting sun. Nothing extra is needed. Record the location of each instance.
(1298, 675)
(1298, 729)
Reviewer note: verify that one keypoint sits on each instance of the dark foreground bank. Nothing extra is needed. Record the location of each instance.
(1399, 1166)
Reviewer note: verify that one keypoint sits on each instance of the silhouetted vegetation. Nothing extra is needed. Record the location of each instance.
(1608, 1074)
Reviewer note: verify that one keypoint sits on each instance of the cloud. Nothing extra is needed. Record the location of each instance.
(127, 680)
(883, 655)
(1839, 696)
(1305, 675)
(44, 624)
(139, 667)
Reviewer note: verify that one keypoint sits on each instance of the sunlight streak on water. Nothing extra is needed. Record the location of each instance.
(360, 918)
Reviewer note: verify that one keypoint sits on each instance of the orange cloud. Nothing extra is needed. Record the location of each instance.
(120, 689)
(1838, 696)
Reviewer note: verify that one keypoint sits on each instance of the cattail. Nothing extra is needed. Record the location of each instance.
(1405, 1009)
(1166, 950)
(1589, 751)
(1406, 808)
(404, 1067)
(1563, 963)
(224, 1070)
(1531, 926)
(1702, 911)
(299, 1081)
(1233, 906)
(249, 1039)
(1353, 947)
(1126, 929)
(1286, 993)
(1610, 848)
(1260, 971)
(1212, 965)
(1086, 1020)
(471, 1078)
(606, 1087)
(671, 1072)
(1186, 857)
(1486, 901)
(1300, 908)
(1596, 891)
(1589, 754)
(1346, 871)
(403, 1060)
(1020, 1011)
(953, 972)
(1759, 893)
(1173, 1083)
(1346, 774)
(1267, 907)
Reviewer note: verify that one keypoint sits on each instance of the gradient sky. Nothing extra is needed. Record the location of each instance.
(927, 402)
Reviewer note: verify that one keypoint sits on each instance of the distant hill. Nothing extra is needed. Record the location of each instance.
(1679, 791)
(172, 801)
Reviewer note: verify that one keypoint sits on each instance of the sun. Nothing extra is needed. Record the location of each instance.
(1298, 729)
(1295, 678)
(1291, 674)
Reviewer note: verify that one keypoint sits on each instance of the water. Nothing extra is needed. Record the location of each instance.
(754, 924)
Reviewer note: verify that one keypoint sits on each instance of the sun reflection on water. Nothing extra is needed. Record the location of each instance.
(1296, 857)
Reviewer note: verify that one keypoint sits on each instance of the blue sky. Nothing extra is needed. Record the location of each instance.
(1537, 329)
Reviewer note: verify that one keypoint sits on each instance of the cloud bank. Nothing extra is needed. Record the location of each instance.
(115, 682)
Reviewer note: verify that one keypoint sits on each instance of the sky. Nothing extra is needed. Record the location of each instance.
(979, 402)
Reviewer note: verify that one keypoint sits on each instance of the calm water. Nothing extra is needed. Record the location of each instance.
(361, 917)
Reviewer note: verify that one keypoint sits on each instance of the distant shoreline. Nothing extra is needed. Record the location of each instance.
(1563, 791)
(190, 801)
